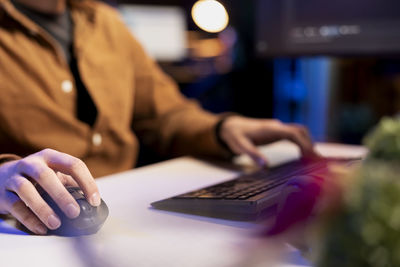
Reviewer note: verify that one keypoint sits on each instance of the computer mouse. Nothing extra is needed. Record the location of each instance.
(90, 218)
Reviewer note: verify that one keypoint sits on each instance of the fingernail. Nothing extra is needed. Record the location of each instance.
(262, 162)
(95, 200)
(41, 230)
(72, 210)
(54, 222)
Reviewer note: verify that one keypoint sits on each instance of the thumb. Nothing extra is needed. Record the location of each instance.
(247, 147)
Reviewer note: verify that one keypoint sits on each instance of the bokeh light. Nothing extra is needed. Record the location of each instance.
(210, 15)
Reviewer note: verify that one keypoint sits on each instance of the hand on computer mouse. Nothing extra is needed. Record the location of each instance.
(89, 221)
(50, 170)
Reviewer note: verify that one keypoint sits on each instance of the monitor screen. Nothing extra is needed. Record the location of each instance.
(322, 27)
(160, 29)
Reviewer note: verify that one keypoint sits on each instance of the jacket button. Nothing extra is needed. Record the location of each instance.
(66, 86)
(97, 139)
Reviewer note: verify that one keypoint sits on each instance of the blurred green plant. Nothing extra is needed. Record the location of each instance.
(384, 141)
(365, 231)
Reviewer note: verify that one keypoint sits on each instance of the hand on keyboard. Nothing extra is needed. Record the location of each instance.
(242, 135)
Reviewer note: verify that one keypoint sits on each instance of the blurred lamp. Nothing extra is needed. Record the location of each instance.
(210, 15)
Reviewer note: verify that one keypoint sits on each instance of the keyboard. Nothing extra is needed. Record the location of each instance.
(248, 196)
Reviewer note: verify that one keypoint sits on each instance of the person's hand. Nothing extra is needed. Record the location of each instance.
(51, 171)
(242, 135)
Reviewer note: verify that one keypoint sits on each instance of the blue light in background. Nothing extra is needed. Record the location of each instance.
(302, 92)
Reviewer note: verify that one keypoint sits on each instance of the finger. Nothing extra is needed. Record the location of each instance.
(293, 134)
(77, 169)
(233, 145)
(24, 215)
(239, 149)
(67, 180)
(302, 130)
(248, 148)
(32, 199)
(305, 134)
(48, 180)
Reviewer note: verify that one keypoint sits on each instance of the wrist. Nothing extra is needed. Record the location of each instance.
(219, 132)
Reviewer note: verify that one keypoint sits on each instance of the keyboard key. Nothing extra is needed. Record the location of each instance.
(213, 196)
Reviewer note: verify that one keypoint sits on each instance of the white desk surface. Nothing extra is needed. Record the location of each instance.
(137, 235)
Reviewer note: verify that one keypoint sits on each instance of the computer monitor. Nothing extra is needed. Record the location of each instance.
(160, 29)
(322, 27)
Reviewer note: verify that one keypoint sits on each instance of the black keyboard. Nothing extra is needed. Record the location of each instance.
(248, 196)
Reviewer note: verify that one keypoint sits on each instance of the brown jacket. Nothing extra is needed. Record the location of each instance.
(134, 98)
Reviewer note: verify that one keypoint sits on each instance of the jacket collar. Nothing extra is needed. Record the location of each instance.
(82, 12)
(79, 8)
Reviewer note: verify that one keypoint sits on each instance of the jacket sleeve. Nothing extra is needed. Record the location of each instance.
(8, 157)
(164, 119)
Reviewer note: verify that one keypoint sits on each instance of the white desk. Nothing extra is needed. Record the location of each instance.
(137, 235)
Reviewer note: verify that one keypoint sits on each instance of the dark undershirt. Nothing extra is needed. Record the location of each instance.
(60, 27)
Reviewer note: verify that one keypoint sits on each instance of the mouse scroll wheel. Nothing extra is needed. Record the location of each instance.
(77, 195)
(76, 192)
(85, 207)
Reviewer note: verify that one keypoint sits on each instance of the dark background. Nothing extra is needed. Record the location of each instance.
(365, 89)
